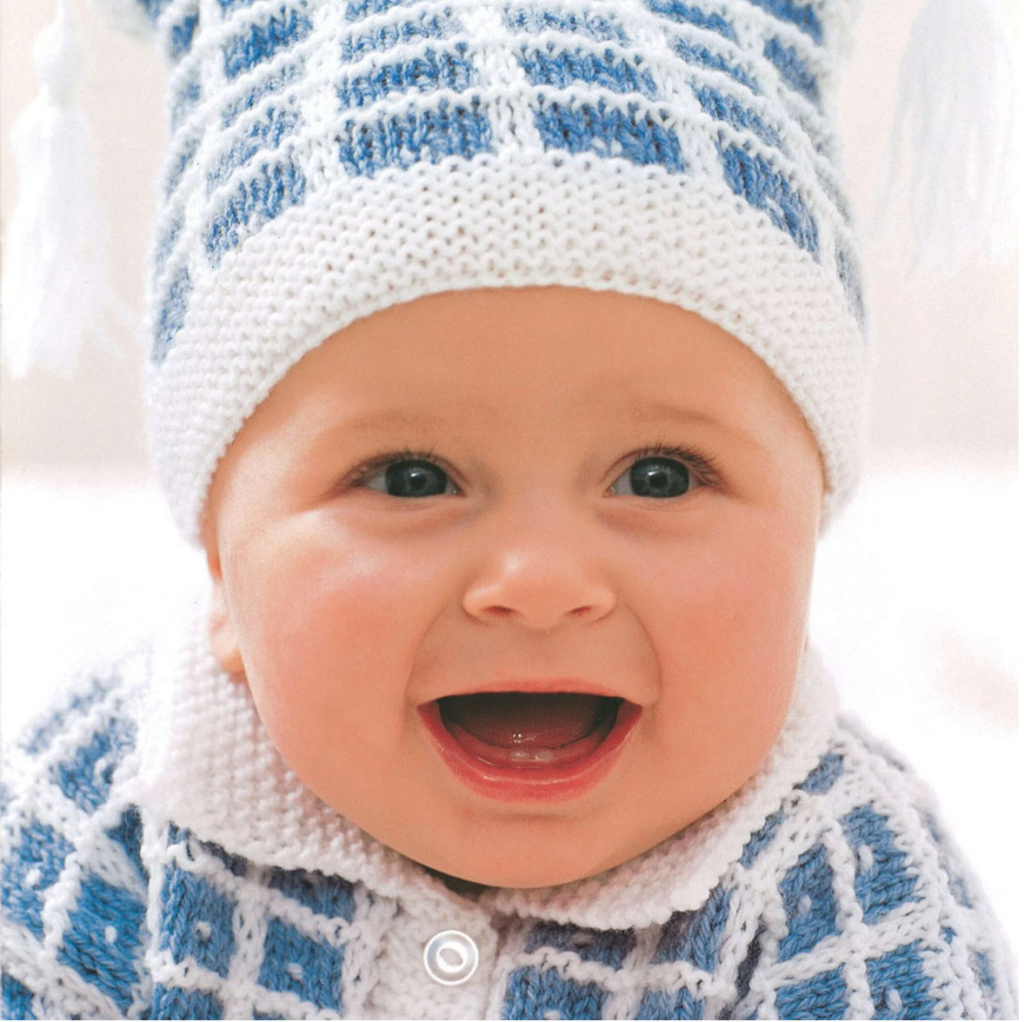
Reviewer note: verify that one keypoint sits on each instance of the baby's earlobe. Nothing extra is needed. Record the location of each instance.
(223, 637)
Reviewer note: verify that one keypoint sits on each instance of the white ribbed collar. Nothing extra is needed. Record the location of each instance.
(209, 765)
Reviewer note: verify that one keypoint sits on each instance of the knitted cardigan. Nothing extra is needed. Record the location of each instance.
(161, 861)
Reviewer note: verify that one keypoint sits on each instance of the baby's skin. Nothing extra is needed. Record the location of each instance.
(518, 578)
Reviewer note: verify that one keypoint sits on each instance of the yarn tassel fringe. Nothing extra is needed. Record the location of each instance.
(951, 154)
(54, 288)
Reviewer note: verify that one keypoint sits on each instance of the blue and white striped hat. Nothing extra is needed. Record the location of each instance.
(330, 159)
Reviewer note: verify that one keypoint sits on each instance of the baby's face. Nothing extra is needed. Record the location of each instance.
(518, 578)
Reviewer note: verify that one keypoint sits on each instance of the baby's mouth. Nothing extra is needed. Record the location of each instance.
(529, 729)
(518, 745)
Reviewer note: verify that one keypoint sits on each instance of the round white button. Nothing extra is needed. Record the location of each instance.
(451, 957)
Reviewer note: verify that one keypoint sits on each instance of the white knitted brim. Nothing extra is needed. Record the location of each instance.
(513, 219)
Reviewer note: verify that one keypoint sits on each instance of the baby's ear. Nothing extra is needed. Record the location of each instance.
(223, 635)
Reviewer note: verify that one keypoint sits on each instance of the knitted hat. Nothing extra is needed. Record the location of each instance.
(330, 159)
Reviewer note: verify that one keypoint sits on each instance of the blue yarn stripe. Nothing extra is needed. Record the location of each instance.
(680, 1004)
(750, 962)
(753, 176)
(810, 904)
(175, 1003)
(41, 849)
(958, 885)
(695, 936)
(611, 947)
(608, 131)
(171, 317)
(436, 26)
(400, 140)
(282, 77)
(821, 996)
(824, 775)
(276, 186)
(298, 964)
(761, 839)
(542, 993)
(109, 965)
(432, 70)
(802, 15)
(265, 134)
(235, 863)
(80, 780)
(154, 8)
(356, 10)
(178, 164)
(182, 36)
(185, 99)
(693, 15)
(724, 107)
(262, 41)
(326, 895)
(793, 68)
(38, 740)
(701, 56)
(165, 245)
(196, 921)
(585, 23)
(127, 832)
(16, 998)
(886, 883)
(901, 972)
(849, 276)
(981, 966)
(606, 71)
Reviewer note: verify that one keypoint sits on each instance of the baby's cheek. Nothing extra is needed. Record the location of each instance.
(329, 633)
(730, 641)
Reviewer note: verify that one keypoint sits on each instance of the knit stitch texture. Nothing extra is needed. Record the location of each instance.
(328, 160)
(824, 889)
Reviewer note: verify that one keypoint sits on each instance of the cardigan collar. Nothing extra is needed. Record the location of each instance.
(208, 764)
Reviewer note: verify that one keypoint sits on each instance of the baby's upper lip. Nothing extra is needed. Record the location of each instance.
(581, 686)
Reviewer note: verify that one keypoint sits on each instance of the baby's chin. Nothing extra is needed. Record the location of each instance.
(550, 866)
(522, 876)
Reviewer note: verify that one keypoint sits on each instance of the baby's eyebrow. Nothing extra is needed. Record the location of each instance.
(663, 413)
(385, 419)
(395, 427)
(645, 411)
(647, 414)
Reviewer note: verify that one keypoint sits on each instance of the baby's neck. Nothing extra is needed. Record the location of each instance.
(465, 888)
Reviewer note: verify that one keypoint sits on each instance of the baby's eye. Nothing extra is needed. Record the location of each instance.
(654, 477)
(410, 478)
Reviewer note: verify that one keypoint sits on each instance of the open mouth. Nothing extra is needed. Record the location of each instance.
(515, 744)
(528, 729)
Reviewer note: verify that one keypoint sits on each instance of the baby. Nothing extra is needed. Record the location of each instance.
(507, 364)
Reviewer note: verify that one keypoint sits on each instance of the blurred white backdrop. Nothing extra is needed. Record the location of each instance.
(917, 602)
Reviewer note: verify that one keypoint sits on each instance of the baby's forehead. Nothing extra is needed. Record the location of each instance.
(537, 363)
(583, 338)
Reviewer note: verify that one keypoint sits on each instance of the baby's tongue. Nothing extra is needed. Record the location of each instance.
(527, 720)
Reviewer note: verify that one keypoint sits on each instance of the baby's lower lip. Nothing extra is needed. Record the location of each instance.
(530, 774)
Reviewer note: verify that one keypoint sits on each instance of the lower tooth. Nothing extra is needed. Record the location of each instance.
(532, 755)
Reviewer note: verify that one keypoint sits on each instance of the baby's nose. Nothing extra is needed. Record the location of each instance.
(540, 582)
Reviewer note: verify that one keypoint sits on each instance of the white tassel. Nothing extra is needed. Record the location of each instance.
(954, 127)
(54, 285)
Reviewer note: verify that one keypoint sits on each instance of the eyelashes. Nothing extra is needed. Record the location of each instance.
(365, 473)
(418, 473)
(701, 465)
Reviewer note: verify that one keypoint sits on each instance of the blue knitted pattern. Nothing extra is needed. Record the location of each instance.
(847, 902)
(270, 103)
